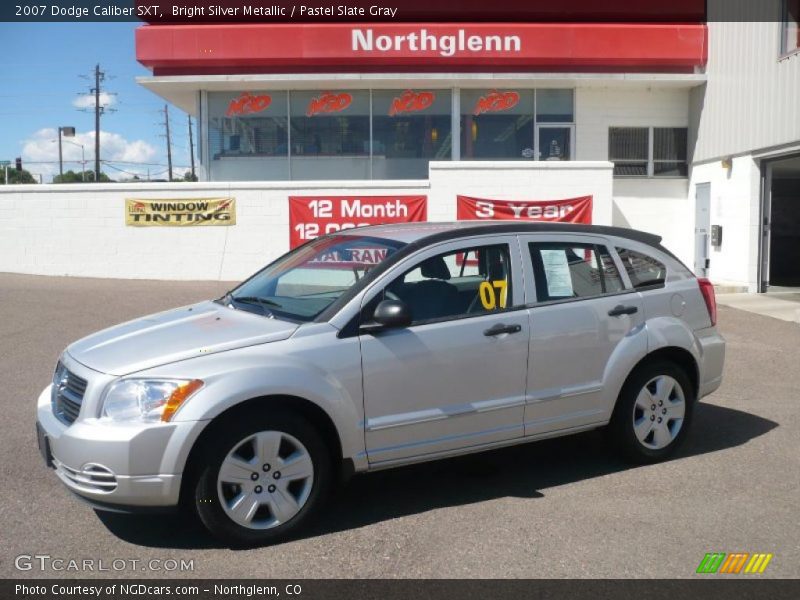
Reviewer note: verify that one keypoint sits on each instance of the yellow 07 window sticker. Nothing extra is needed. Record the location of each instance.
(489, 291)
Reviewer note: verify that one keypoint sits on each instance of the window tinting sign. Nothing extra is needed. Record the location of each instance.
(180, 212)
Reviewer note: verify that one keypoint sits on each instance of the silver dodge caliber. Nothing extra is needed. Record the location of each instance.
(377, 347)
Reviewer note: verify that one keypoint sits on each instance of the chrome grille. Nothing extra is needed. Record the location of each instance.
(67, 396)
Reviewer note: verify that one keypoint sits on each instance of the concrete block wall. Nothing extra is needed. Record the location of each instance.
(79, 230)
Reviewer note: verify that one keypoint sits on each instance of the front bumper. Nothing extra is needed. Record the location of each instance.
(121, 465)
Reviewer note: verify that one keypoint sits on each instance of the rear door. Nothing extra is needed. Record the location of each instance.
(587, 328)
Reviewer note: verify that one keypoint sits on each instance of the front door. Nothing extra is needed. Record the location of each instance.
(583, 318)
(455, 377)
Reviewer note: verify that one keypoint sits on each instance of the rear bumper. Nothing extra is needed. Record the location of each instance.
(712, 360)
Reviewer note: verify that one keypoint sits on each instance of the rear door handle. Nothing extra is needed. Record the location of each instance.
(620, 310)
(500, 329)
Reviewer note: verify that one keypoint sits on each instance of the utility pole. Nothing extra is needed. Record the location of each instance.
(191, 148)
(169, 141)
(98, 110)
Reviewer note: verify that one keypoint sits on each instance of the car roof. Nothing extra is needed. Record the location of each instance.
(425, 233)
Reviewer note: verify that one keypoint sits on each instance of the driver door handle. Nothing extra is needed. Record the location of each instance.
(620, 310)
(500, 329)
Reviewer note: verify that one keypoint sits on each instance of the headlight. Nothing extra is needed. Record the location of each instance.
(146, 399)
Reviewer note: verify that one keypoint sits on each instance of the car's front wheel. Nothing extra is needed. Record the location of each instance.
(653, 412)
(263, 480)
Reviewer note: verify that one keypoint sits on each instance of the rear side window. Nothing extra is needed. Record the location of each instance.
(565, 271)
(644, 270)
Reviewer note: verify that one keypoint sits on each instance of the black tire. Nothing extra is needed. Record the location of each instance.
(621, 428)
(206, 496)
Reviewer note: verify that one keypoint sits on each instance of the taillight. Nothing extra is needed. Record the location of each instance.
(707, 289)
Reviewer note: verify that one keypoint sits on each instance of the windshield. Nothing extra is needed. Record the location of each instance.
(303, 283)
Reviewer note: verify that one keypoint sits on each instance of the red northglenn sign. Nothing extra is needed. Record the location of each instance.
(229, 49)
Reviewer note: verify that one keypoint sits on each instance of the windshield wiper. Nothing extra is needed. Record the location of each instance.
(262, 302)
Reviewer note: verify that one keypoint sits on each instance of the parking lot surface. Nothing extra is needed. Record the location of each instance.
(559, 508)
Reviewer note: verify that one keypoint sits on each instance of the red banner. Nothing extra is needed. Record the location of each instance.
(572, 210)
(313, 216)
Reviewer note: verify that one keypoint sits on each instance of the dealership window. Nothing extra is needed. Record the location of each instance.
(379, 134)
(555, 113)
(790, 35)
(248, 135)
(648, 151)
(409, 129)
(497, 124)
(504, 124)
(330, 134)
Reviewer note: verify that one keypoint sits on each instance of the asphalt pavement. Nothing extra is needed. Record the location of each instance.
(559, 508)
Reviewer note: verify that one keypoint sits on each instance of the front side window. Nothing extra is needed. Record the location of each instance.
(643, 270)
(472, 281)
(790, 35)
(302, 284)
(564, 271)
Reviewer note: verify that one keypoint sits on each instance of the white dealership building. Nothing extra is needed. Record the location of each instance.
(687, 130)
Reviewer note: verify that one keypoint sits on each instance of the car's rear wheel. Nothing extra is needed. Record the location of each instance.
(653, 412)
(264, 480)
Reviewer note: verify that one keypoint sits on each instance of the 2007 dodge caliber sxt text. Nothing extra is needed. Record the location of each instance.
(377, 347)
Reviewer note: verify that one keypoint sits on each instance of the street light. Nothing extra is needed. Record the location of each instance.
(83, 159)
(67, 132)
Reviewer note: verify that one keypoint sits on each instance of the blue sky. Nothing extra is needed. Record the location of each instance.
(41, 81)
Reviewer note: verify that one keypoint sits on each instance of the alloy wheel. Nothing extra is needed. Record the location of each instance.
(265, 480)
(658, 412)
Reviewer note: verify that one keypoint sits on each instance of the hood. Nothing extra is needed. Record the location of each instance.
(200, 329)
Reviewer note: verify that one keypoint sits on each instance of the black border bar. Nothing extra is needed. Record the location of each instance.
(711, 587)
(451, 11)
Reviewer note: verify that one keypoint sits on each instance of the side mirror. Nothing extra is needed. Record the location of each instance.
(392, 314)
